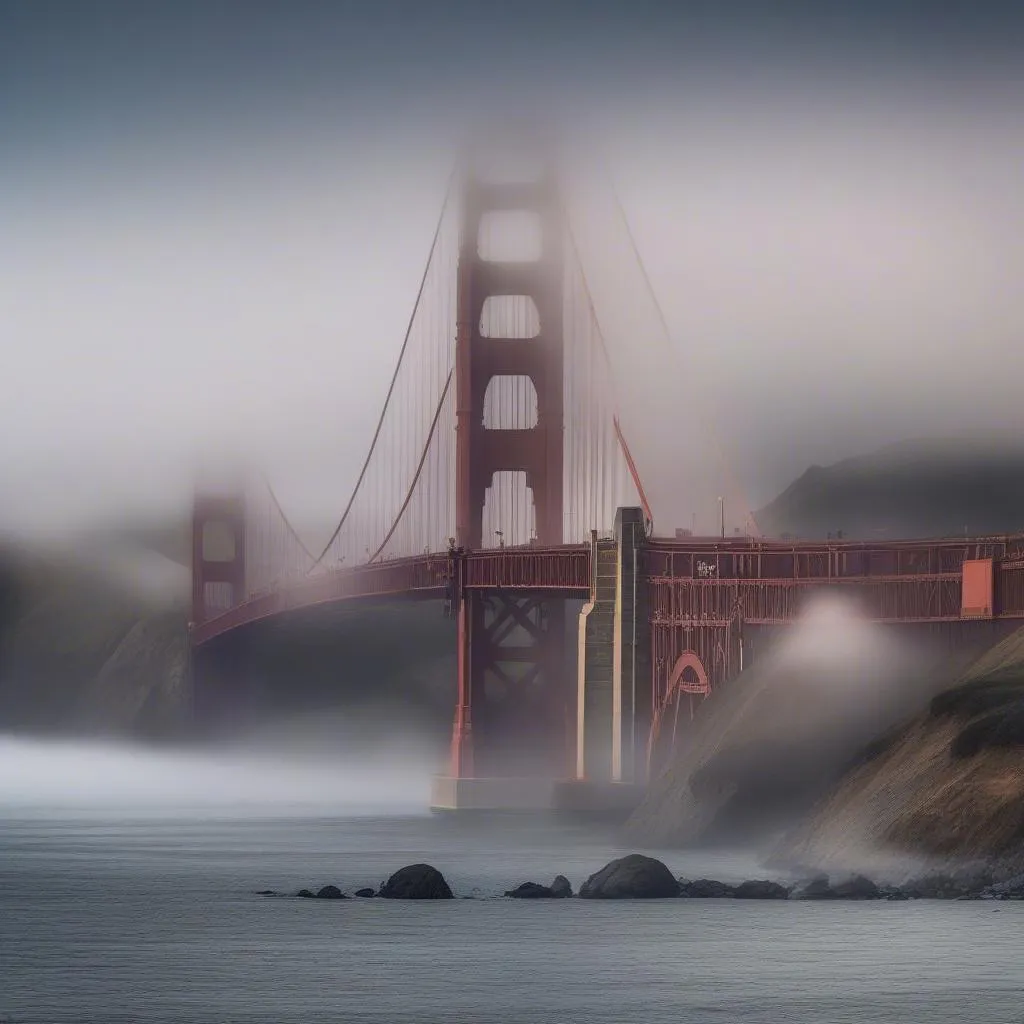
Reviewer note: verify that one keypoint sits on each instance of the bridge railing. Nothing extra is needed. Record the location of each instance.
(776, 560)
(1009, 588)
(532, 568)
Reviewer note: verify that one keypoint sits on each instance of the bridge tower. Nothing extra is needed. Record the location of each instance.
(218, 584)
(513, 713)
(218, 553)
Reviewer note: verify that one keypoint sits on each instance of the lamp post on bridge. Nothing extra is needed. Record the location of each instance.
(721, 503)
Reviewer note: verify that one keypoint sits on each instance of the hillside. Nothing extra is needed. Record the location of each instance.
(92, 642)
(765, 748)
(948, 785)
(929, 488)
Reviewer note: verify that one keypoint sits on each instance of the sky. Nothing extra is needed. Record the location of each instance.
(214, 217)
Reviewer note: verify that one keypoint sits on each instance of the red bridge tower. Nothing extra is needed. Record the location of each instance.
(514, 705)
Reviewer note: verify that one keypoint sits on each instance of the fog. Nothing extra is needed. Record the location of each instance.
(213, 230)
(833, 683)
(774, 740)
(63, 776)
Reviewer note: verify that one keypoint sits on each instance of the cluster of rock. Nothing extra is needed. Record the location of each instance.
(559, 889)
(640, 877)
(413, 882)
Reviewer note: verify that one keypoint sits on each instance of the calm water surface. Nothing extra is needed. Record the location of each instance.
(112, 914)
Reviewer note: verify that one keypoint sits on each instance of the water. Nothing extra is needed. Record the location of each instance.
(114, 911)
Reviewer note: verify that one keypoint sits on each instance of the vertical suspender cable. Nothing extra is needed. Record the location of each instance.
(668, 341)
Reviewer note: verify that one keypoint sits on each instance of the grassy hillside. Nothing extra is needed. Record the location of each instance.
(763, 748)
(949, 785)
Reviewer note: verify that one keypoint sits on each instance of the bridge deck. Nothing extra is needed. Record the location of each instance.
(563, 570)
(704, 578)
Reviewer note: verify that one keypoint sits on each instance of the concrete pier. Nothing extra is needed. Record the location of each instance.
(451, 794)
(613, 699)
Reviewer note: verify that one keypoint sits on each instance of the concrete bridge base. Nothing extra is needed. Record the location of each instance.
(603, 799)
(452, 794)
(558, 796)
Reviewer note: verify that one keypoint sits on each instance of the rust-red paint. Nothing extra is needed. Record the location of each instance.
(537, 451)
(229, 511)
(978, 589)
(665, 721)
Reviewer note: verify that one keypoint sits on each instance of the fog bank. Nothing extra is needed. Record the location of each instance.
(47, 776)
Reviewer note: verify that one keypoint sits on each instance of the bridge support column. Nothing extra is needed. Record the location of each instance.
(614, 698)
(633, 689)
(461, 766)
(595, 669)
(514, 705)
(514, 697)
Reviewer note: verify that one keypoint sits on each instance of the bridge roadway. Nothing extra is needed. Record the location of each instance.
(692, 579)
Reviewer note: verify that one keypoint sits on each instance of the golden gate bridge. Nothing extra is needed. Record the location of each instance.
(500, 478)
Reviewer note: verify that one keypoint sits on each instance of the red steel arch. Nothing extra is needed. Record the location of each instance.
(658, 753)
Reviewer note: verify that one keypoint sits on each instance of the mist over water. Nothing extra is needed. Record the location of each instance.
(62, 776)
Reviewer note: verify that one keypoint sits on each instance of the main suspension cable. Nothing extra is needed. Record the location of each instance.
(394, 376)
(419, 469)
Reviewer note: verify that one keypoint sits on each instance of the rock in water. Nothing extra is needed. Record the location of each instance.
(632, 877)
(817, 888)
(761, 890)
(305, 894)
(1009, 889)
(705, 889)
(856, 888)
(330, 892)
(365, 893)
(531, 891)
(416, 882)
(560, 888)
(935, 887)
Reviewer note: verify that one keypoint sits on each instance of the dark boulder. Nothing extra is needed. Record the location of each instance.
(969, 882)
(631, 877)
(1009, 889)
(816, 888)
(365, 893)
(856, 888)
(305, 894)
(759, 889)
(938, 886)
(560, 888)
(531, 891)
(330, 892)
(266, 892)
(416, 882)
(893, 893)
(705, 889)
